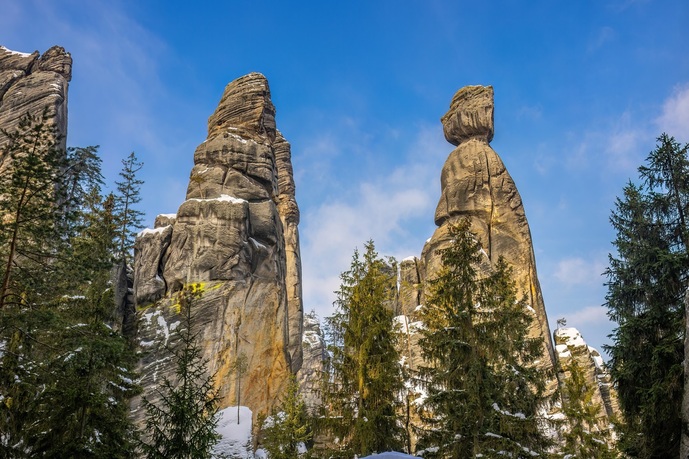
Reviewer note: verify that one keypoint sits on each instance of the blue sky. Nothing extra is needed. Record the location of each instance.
(582, 89)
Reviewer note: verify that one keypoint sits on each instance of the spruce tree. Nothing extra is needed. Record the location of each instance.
(287, 430)
(583, 438)
(129, 218)
(365, 381)
(42, 191)
(483, 387)
(182, 424)
(647, 279)
(83, 405)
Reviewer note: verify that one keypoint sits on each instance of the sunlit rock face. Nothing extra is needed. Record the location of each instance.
(236, 235)
(475, 185)
(32, 83)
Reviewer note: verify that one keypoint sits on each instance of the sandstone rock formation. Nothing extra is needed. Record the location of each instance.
(476, 185)
(315, 354)
(31, 83)
(571, 347)
(236, 235)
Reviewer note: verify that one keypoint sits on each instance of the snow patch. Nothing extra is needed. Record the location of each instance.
(222, 198)
(235, 437)
(570, 336)
(152, 231)
(16, 53)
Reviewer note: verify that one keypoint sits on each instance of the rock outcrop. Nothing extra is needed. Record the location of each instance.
(315, 354)
(32, 83)
(475, 185)
(236, 235)
(571, 347)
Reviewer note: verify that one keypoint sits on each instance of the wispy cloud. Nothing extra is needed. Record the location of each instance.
(674, 118)
(588, 315)
(578, 271)
(602, 36)
(384, 210)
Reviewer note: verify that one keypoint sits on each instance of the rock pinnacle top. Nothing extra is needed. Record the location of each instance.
(470, 115)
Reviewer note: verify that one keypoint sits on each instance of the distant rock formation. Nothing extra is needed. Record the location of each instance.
(571, 347)
(315, 353)
(31, 83)
(236, 234)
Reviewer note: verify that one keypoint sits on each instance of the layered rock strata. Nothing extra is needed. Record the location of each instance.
(236, 235)
(32, 83)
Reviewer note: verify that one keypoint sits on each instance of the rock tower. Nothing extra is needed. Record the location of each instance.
(475, 185)
(31, 83)
(236, 234)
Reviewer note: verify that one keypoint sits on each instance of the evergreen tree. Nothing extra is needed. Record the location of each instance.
(483, 386)
(83, 406)
(129, 218)
(42, 189)
(365, 382)
(287, 430)
(182, 425)
(583, 439)
(647, 279)
(31, 207)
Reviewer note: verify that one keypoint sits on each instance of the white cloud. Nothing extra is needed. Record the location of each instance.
(577, 271)
(587, 320)
(384, 210)
(674, 119)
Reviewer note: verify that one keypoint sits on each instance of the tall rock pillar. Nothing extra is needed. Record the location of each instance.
(475, 185)
(236, 235)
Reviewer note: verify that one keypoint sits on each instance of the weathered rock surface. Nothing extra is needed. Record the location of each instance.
(475, 185)
(31, 83)
(289, 216)
(314, 356)
(571, 347)
(236, 235)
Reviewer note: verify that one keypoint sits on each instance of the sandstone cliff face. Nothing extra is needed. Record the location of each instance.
(31, 83)
(476, 185)
(236, 234)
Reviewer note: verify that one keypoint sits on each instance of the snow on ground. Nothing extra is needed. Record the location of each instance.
(235, 441)
(389, 455)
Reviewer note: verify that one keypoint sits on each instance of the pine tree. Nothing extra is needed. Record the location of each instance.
(31, 207)
(182, 425)
(647, 279)
(583, 439)
(129, 218)
(483, 386)
(42, 190)
(83, 408)
(287, 430)
(365, 383)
